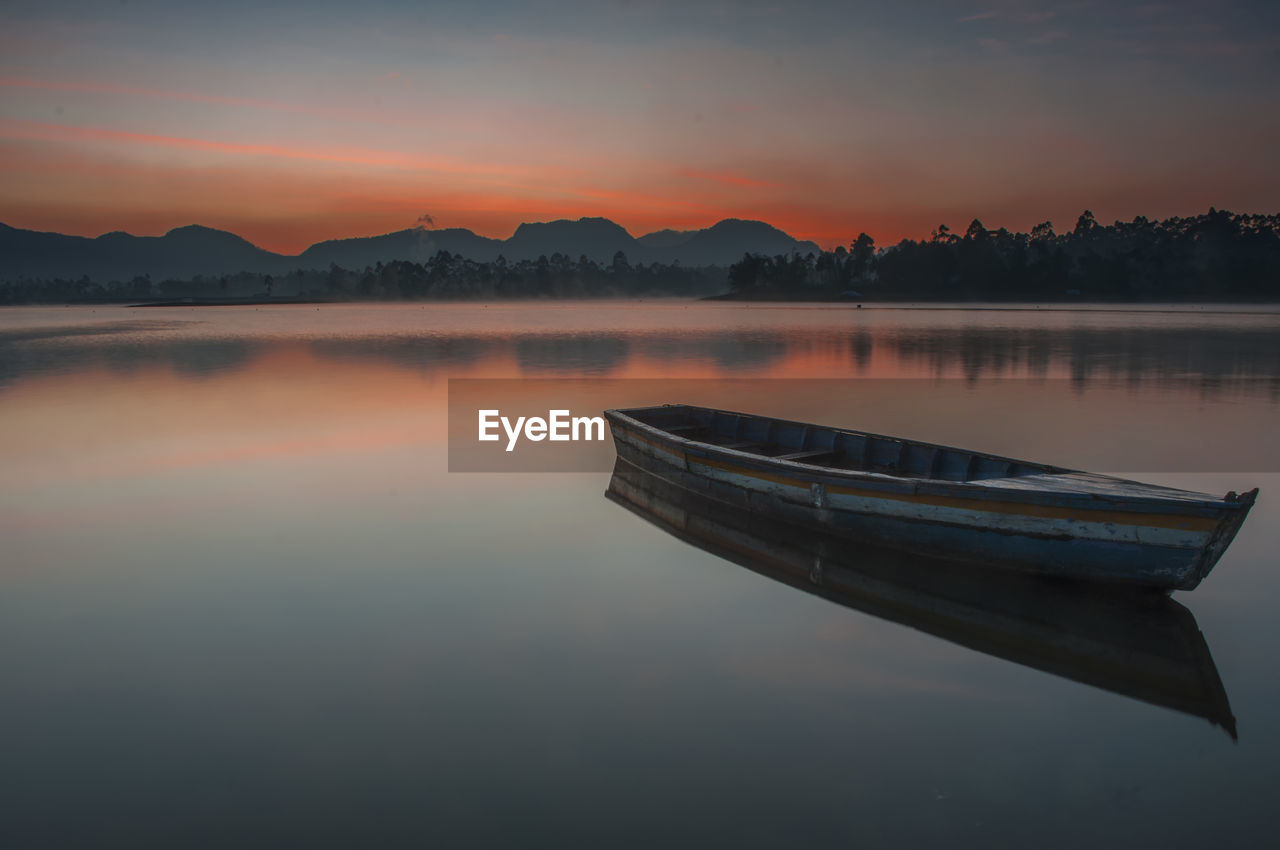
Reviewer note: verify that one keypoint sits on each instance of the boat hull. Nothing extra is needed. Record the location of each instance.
(1137, 643)
(1135, 541)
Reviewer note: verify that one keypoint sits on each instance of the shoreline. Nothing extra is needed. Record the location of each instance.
(232, 302)
(866, 303)
(1074, 305)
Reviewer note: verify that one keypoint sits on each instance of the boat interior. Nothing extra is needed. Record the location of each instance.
(831, 448)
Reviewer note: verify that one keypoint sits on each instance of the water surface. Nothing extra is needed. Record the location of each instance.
(246, 603)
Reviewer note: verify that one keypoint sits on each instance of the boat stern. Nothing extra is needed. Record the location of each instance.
(1236, 508)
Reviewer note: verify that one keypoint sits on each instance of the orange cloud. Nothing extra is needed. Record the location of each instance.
(86, 190)
(89, 189)
(14, 128)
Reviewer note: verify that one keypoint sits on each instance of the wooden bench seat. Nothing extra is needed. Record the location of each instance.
(740, 445)
(807, 455)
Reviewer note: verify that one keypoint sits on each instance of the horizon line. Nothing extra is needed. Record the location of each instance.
(848, 241)
(146, 235)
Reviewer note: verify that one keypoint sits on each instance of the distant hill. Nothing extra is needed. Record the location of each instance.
(181, 253)
(665, 238)
(186, 252)
(596, 238)
(724, 243)
(415, 245)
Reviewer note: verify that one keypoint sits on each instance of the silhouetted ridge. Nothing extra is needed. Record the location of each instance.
(595, 238)
(726, 241)
(182, 252)
(195, 250)
(415, 245)
(665, 238)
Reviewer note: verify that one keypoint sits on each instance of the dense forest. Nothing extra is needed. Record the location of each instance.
(444, 276)
(1218, 255)
(1215, 256)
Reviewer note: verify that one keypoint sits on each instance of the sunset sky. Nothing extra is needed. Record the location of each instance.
(289, 123)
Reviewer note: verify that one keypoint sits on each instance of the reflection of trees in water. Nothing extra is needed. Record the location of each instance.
(584, 353)
(423, 354)
(111, 329)
(194, 358)
(862, 343)
(1215, 361)
(730, 350)
(33, 353)
(978, 352)
(737, 351)
(21, 361)
(744, 353)
(1209, 358)
(189, 358)
(594, 353)
(589, 354)
(534, 352)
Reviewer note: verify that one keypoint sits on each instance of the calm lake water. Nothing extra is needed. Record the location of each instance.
(246, 603)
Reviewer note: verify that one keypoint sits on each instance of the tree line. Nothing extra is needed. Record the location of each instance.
(1212, 256)
(444, 276)
(1218, 255)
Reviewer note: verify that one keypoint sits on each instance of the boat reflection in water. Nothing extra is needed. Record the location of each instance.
(1137, 643)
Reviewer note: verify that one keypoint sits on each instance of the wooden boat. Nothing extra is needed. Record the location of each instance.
(1130, 642)
(937, 500)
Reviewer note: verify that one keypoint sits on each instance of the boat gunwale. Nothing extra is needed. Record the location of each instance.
(1041, 492)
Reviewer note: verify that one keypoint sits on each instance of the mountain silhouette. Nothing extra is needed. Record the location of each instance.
(183, 252)
(186, 252)
(725, 242)
(416, 245)
(665, 238)
(596, 238)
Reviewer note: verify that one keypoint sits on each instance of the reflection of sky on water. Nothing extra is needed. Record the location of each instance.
(238, 581)
(1217, 352)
